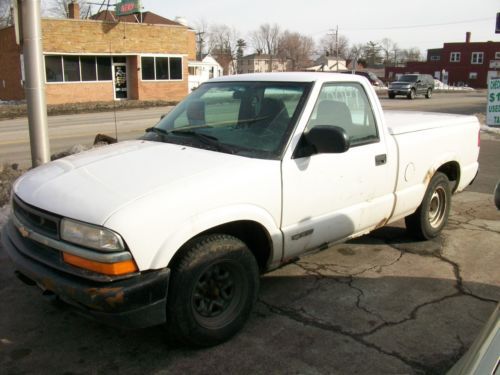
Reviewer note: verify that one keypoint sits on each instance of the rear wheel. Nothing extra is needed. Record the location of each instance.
(212, 290)
(428, 95)
(432, 214)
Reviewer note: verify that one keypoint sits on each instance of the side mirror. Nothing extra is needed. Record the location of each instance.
(324, 139)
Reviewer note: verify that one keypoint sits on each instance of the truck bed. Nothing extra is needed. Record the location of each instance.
(400, 122)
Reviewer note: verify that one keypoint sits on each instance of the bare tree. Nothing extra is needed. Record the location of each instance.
(355, 54)
(328, 45)
(5, 18)
(265, 40)
(59, 8)
(412, 54)
(221, 43)
(295, 48)
(387, 47)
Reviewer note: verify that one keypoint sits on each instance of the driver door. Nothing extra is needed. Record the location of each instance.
(329, 197)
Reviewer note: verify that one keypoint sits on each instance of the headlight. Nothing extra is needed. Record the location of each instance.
(92, 236)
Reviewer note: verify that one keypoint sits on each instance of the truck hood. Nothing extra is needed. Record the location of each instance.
(91, 186)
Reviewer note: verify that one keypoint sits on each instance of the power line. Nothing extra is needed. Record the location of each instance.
(419, 26)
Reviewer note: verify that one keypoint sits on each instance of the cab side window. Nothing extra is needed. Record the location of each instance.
(346, 105)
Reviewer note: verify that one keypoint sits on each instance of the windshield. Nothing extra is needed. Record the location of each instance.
(252, 119)
(409, 78)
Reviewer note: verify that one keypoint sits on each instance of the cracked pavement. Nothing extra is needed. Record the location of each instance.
(379, 304)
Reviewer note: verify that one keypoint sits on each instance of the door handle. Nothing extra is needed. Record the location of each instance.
(380, 159)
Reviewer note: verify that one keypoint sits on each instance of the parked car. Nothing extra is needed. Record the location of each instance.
(411, 85)
(248, 172)
(372, 77)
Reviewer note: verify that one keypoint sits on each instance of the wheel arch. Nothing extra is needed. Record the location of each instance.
(252, 233)
(452, 170)
(253, 225)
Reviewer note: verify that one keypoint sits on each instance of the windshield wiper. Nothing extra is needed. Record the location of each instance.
(207, 139)
(157, 130)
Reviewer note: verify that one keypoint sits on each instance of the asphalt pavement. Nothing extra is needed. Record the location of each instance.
(380, 304)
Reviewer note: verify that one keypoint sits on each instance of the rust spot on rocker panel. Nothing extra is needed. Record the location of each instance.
(381, 223)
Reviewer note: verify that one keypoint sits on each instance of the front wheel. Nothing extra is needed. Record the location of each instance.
(213, 288)
(432, 215)
(392, 95)
(411, 95)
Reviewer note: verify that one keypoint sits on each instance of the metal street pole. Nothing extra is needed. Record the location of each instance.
(337, 46)
(34, 86)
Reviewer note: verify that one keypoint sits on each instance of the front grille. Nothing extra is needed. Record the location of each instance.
(38, 220)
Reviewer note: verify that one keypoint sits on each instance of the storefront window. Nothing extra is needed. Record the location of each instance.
(77, 68)
(53, 68)
(162, 68)
(175, 68)
(148, 68)
(71, 68)
(104, 68)
(88, 66)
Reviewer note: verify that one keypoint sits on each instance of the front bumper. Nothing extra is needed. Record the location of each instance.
(135, 302)
(399, 91)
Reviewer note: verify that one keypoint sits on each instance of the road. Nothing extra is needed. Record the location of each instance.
(463, 103)
(68, 130)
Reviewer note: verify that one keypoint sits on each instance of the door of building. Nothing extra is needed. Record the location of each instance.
(120, 81)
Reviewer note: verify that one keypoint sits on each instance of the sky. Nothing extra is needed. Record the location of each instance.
(419, 23)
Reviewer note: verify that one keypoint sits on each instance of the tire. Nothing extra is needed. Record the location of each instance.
(212, 290)
(392, 95)
(411, 95)
(431, 216)
(428, 94)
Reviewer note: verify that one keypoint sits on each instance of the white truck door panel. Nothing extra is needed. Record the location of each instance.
(328, 197)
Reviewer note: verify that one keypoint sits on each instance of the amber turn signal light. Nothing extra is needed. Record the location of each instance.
(112, 269)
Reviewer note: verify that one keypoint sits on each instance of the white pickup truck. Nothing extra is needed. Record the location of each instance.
(245, 174)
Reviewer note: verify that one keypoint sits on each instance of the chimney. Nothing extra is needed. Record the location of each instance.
(74, 10)
(467, 37)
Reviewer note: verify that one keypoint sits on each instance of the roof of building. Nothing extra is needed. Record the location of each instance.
(258, 56)
(146, 17)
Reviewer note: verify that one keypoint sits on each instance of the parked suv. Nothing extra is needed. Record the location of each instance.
(411, 85)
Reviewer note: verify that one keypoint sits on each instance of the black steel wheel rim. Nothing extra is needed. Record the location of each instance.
(217, 295)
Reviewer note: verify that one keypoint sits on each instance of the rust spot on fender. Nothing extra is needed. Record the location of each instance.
(428, 176)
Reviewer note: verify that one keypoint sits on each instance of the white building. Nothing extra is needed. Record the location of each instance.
(201, 71)
(328, 64)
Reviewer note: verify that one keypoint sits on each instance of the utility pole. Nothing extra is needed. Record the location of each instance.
(200, 41)
(336, 31)
(34, 85)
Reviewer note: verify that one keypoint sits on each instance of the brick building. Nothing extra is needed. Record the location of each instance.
(463, 63)
(106, 58)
